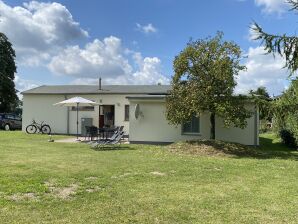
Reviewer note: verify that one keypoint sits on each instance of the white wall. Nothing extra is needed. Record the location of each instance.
(243, 136)
(153, 126)
(40, 107)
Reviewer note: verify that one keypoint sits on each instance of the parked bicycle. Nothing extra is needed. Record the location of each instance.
(34, 127)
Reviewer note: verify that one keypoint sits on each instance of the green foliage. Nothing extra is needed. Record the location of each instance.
(288, 138)
(8, 96)
(204, 81)
(286, 110)
(284, 45)
(263, 100)
(261, 92)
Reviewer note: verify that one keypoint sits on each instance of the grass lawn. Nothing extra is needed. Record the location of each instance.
(42, 182)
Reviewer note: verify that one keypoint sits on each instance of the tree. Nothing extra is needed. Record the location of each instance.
(204, 81)
(262, 99)
(286, 46)
(261, 92)
(286, 110)
(8, 95)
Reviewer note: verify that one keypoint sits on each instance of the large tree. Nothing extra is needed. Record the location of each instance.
(8, 95)
(204, 81)
(284, 45)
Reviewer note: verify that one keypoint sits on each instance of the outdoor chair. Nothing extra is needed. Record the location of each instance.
(91, 132)
(102, 141)
(112, 142)
(87, 132)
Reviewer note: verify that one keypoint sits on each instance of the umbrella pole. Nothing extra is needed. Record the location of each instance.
(77, 121)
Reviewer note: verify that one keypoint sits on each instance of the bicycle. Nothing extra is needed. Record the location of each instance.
(34, 127)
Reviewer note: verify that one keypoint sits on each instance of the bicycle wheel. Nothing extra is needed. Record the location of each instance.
(45, 129)
(31, 129)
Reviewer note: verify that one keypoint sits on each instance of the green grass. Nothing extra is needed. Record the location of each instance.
(43, 182)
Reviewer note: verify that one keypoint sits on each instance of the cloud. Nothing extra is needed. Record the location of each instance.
(149, 28)
(262, 70)
(97, 58)
(272, 6)
(109, 60)
(37, 29)
(46, 34)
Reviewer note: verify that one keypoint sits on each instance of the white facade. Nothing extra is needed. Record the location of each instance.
(63, 120)
(150, 127)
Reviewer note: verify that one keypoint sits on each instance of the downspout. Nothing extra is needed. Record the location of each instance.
(256, 136)
(67, 117)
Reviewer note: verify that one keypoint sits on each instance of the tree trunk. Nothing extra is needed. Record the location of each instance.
(212, 125)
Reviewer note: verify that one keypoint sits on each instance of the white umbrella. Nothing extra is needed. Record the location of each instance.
(75, 102)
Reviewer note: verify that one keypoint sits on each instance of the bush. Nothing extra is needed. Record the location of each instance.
(288, 138)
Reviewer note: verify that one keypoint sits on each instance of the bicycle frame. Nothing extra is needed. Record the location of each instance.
(37, 125)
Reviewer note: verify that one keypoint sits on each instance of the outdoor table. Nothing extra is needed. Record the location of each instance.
(105, 133)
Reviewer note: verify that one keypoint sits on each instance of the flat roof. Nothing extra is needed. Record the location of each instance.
(93, 89)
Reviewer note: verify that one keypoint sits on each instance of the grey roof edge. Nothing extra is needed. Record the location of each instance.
(93, 89)
(25, 91)
(87, 93)
(147, 97)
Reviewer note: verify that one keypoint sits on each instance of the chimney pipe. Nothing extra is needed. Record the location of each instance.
(99, 84)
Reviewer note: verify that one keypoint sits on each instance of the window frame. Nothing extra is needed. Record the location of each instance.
(192, 133)
(126, 112)
(83, 108)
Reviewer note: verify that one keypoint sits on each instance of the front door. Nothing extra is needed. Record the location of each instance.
(106, 116)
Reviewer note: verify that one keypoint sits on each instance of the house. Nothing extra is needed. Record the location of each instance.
(139, 108)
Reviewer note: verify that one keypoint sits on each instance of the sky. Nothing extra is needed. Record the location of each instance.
(135, 42)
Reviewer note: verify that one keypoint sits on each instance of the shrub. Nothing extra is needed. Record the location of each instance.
(288, 138)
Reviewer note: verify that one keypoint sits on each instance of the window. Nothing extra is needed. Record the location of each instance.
(126, 113)
(11, 117)
(192, 127)
(83, 108)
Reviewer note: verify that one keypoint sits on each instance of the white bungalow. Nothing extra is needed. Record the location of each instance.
(118, 104)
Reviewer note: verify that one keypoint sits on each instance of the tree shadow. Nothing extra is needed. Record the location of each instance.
(267, 149)
(113, 148)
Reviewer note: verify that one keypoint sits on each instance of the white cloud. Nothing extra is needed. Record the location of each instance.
(149, 28)
(262, 70)
(45, 34)
(109, 60)
(103, 58)
(272, 6)
(37, 29)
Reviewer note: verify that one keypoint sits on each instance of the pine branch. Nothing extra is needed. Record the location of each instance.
(285, 46)
(293, 3)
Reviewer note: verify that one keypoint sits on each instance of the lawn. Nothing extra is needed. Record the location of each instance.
(43, 182)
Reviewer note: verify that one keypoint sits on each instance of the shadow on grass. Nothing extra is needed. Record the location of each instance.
(113, 148)
(267, 149)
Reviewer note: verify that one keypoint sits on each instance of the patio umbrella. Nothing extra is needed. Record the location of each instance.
(76, 102)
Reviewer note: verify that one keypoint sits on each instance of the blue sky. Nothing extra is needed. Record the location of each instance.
(135, 42)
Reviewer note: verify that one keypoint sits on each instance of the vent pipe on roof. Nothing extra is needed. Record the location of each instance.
(99, 84)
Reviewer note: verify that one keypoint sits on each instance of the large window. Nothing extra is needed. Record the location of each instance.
(192, 127)
(83, 108)
(126, 113)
